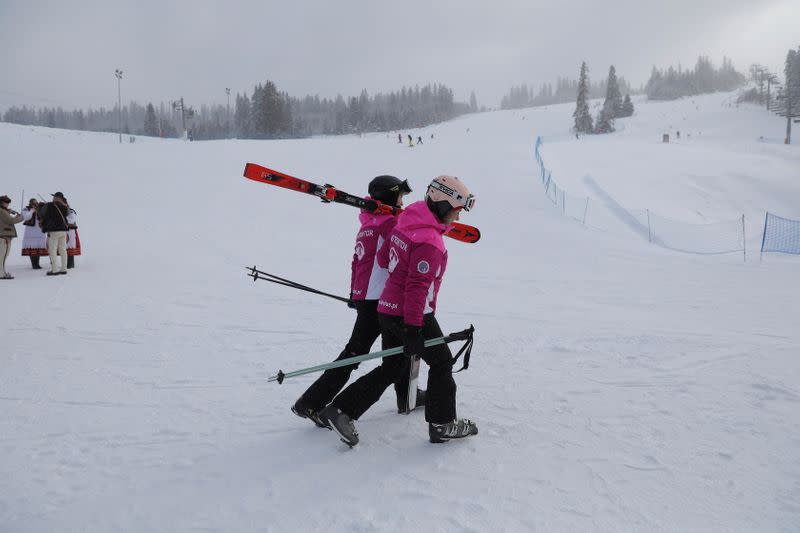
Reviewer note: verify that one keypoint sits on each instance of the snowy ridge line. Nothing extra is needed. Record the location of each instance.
(781, 235)
(721, 237)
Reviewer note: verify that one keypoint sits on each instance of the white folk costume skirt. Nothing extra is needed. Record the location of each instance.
(34, 242)
(73, 243)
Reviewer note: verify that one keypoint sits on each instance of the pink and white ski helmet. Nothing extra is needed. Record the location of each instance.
(450, 189)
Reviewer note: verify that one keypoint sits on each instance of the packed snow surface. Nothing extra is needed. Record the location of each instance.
(617, 386)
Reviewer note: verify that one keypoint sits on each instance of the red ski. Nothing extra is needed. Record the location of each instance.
(329, 193)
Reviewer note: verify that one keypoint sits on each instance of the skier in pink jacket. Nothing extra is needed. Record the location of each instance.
(366, 285)
(416, 258)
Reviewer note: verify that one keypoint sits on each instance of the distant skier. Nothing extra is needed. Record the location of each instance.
(416, 258)
(400, 138)
(419, 139)
(410, 140)
(367, 281)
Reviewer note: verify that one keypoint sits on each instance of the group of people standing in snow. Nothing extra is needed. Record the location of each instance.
(397, 270)
(410, 139)
(50, 229)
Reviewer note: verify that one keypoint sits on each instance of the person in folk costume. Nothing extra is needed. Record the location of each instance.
(34, 241)
(8, 217)
(53, 216)
(73, 239)
(366, 284)
(416, 258)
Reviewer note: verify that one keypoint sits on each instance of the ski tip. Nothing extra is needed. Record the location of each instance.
(464, 233)
(476, 234)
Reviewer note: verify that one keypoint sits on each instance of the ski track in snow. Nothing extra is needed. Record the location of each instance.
(617, 386)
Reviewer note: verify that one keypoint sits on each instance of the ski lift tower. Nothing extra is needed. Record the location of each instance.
(178, 105)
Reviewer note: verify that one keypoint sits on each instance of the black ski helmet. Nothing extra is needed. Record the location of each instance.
(387, 189)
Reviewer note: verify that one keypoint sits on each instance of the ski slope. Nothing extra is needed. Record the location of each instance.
(617, 386)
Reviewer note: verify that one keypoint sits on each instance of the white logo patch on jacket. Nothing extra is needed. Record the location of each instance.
(423, 267)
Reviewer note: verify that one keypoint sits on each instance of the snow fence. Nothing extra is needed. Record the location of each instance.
(606, 214)
(780, 235)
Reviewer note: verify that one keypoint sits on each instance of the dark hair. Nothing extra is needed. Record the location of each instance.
(439, 209)
(5, 199)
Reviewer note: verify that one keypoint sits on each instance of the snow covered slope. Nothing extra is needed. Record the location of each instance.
(617, 386)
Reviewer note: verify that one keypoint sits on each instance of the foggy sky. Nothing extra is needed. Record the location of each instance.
(64, 53)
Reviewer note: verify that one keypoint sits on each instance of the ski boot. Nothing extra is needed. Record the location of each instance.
(457, 429)
(342, 424)
(304, 411)
(421, 397)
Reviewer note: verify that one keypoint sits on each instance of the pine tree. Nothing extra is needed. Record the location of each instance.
(613, 97)
(150, 121)
(473, 102)
(792, 91)
(627, 106)
(242, 117)
(583, 119)
(604, 123)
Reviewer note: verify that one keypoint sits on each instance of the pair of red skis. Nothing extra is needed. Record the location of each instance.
(329, 193)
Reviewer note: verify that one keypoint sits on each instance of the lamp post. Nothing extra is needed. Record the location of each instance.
(228, 92)
(118, 74)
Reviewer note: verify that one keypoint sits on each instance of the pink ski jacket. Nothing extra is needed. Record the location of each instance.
(416, 258)
(367, 278)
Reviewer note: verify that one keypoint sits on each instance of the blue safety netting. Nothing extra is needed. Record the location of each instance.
(781, 235)
(606, 214)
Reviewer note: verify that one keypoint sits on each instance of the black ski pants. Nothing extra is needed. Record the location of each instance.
(365, 331)
(440, 403)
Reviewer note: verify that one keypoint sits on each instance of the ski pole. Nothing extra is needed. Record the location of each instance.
(300, 287)
(465, 335)
(265, 276)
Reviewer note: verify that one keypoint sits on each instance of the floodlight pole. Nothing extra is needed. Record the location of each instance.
(118, 74)
(228, 92)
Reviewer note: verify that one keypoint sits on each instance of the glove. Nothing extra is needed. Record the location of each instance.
(413, 341)
(351, 304)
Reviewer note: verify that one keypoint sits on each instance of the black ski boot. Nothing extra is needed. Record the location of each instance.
(304, 411)
(457, 429)
(421, 397)
(341, 424)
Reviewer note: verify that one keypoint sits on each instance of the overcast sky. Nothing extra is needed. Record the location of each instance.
(65, 52)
